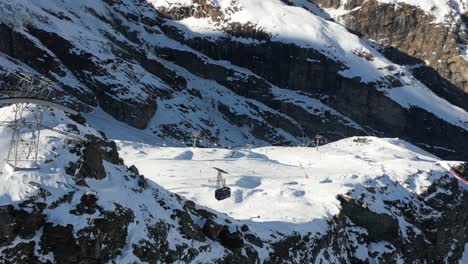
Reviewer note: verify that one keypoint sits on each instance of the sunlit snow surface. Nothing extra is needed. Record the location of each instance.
(287, 184)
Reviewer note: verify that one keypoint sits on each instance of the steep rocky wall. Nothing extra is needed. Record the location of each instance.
(412, 31)
(315, 75)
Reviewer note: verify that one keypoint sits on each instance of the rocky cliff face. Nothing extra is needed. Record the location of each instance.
(438, 44)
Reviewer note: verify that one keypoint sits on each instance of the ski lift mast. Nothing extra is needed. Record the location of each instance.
(30, 98)
(222, 191)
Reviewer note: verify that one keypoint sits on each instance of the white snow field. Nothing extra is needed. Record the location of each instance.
(287, 184)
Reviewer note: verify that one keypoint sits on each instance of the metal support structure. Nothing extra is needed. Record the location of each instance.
(195, 137)
(23, 152)
(222, 191)
(25, 136)
(320, 140)
(220, 181)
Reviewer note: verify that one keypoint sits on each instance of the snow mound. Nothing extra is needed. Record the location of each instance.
(186, 155)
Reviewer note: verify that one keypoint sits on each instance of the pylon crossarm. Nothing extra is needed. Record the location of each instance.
(36, 101)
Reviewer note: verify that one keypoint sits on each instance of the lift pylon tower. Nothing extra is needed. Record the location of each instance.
(27, 124)
(25, 134)
(222, 191)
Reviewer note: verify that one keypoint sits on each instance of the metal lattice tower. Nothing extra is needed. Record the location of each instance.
(220, 181)
(27, 123)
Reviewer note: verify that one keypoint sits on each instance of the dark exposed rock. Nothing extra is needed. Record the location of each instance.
(236, 256)
(212, 229)
(190, 206)
(412, 31)
(81, 63)
(244, 228)
(22, 253)
(231, 240)
(7, 231)
(60, 241)
(89, 200)
(462, 169)
(134, 170)
(90, 164)
(142, 182)
(379, 226)
(200, 9)
(157, 250)
(87, 205)
(242, 84)
(100, 242)
(67, 198)
(188, 227)
(21, 223)
(104, 239)
(251, 238)
(440, 86)
(293, 248)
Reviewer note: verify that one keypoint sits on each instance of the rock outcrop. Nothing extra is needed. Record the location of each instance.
(414, 32)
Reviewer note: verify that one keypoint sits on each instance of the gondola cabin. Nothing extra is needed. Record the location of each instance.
(222, 193)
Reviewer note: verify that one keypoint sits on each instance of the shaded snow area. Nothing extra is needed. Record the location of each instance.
(465, 256)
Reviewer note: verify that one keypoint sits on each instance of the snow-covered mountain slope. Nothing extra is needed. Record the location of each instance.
(155, 76)
(261, 72)
(364, 199)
